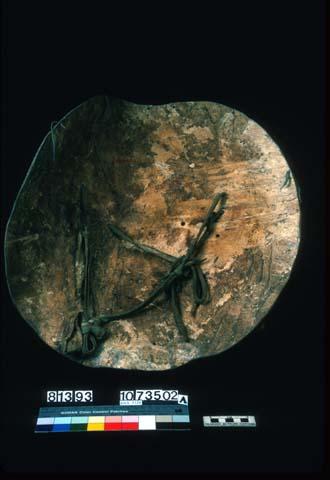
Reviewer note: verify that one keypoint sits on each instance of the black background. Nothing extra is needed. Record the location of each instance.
(264, 59)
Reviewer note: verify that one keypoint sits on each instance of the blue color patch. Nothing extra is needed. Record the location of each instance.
(180, 418)
(62, 420)
(58, 427)
(43, 428)
(45, 421)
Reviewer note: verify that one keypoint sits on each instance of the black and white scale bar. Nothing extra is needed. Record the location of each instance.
(230, 421)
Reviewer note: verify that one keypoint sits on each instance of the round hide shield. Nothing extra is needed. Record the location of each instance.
(110, 213)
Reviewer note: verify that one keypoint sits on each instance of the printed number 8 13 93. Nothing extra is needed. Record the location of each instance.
(69, 396)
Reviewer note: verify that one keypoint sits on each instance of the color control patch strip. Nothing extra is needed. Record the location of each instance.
(76, 420)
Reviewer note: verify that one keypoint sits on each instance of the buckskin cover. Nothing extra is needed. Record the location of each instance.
(152, 170)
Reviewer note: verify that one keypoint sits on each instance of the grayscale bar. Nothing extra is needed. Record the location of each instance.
(229, 421)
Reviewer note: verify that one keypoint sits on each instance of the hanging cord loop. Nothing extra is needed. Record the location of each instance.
(183, 268)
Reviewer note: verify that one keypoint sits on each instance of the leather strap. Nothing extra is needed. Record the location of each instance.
(182, 269)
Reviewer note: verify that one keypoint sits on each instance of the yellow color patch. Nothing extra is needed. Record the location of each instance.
(95, 427)
(96, 419)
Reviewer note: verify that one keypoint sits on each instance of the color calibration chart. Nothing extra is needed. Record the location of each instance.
(111, 418)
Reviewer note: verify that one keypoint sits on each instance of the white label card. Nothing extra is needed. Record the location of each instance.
(69, 396)
(149, 395)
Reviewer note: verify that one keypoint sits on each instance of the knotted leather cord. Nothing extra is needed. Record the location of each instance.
(186, 267)
(83, 288)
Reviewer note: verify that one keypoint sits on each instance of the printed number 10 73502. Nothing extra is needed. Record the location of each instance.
(162, 395)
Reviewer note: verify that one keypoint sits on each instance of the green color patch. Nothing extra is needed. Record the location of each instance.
(78, 427)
